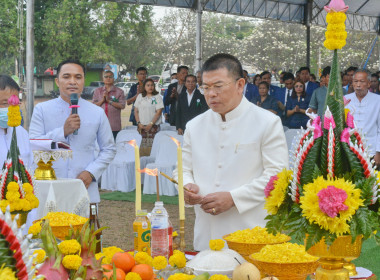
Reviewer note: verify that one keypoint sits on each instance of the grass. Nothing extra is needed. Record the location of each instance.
(130, 196)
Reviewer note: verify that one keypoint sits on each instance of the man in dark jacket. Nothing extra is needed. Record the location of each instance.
(191, 103)
(174, 90)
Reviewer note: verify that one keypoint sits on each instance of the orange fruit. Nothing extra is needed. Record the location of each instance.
(145, 271)
(124, 261)
(120, 275)
(107, 267)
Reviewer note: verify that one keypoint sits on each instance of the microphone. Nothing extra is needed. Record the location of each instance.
(74, 107)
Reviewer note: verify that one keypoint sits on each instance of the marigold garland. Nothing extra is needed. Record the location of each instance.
(133, 276)
(69, 247)
(277, 195)
(14, 116)
(143, 258)
(336, 30)
(256, 235)
(160, 262)
(108, 253)
(35, 228)
(178, 260)
(219, 277)
(309, 203)
(216, 244)
(181, 276)
(14, 199)
(40, 256)
(72, 262)
(7, 274)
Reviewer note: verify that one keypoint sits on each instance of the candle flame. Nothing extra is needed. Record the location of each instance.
(175, 141)
(132, 143)
(151, 172)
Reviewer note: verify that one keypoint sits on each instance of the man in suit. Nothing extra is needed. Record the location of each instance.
(225, 166)
(305, 78)
(174, 90)
(250, 90)
(284, 94)
(191, 103)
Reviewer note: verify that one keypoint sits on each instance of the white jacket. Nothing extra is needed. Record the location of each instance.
(47, 123)
(238, 156)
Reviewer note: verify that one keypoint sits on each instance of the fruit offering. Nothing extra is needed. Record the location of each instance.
(256, 235)
(284, 253)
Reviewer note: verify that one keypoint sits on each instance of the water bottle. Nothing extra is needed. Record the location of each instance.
(159, 231)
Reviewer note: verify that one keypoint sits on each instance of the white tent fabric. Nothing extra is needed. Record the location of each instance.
(165, 161)
(120, 174)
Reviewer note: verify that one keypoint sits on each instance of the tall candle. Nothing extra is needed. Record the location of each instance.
(137, 175)
(181, 196)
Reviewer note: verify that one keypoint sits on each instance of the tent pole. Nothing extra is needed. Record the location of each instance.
(308, 15)
(198, 38)
(29, 61)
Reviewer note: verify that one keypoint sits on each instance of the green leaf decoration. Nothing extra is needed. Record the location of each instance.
(364, 221)
(315, 235)
(323, 159)
(353, 162)
(365, 185)
(340, 157)
(311, 160)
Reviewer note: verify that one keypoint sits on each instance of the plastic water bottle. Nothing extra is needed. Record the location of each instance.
(159, 230)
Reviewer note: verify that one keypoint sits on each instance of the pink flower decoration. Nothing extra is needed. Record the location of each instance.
(345, 136)
(331, 201)
(13, 100)
(336, 6)
(327, 122)
(346, 101)
(350, 120)
(270, 186)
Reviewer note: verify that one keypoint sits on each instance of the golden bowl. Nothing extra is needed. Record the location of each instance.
(246, 249)
(286, 271)
(61, 232)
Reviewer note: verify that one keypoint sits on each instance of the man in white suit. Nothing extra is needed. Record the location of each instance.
(229, 154)
(53, 120)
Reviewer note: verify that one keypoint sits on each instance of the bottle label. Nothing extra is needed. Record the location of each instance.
(141, 231)
(160, 242)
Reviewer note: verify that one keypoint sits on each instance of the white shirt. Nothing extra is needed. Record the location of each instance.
(238, 156)
(288, 93)
(23, 145)
(189, 96)
(367, 118)
(147, 107)
(47, 123)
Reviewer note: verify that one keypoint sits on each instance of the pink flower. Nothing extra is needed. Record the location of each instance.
(331, 201)
(13, 100)
(336, 6)
(270, 186)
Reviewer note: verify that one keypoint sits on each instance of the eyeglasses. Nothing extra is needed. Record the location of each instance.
(217, 88)
(108, 77)
(298, 86)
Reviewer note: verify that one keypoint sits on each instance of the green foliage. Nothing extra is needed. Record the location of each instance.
(353, 162)
(365, 185)
(311, 162)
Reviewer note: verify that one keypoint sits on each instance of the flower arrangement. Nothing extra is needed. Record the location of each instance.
(216, 244)
(16, 184)
(333, 188)
(107, 254)
(143, 258)
(159, 262)
(256, 235)
(178, 259)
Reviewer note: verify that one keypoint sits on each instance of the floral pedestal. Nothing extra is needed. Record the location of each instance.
(44, 159)
(332, 258)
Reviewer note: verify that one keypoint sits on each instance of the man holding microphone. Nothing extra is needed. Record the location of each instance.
(54, 120)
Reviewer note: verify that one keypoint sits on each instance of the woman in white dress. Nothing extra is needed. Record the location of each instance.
(148, 109)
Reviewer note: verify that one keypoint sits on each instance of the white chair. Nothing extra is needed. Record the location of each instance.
(120, 174)
(130, 127)
(166, 160)
(153, 152)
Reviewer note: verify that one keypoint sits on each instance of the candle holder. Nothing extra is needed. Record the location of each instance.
(182, 244)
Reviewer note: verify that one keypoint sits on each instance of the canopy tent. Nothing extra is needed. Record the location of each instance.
(363, 15)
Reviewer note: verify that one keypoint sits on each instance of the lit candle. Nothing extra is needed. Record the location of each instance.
(137, 175)
(181, 196)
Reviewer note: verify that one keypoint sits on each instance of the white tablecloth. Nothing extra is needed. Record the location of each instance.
(63, 195)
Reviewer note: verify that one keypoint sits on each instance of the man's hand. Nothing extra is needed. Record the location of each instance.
(217, 203)
(377, 160)
(192, 197)
(148, 127)
(85, 177)
(180, 131)
(174, 93)
(72, 123)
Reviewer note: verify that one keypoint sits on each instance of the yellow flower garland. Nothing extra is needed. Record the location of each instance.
(181, 276)
(40, 256)
(69, 247)
(143, 258)
(133, 276)
(7, 274)
(178, 259)
(12, 198)
(72, 262)
(14, 116)
(310, 205)
(160, 262)
(336, 34)
(278, 194)
(216, 244)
